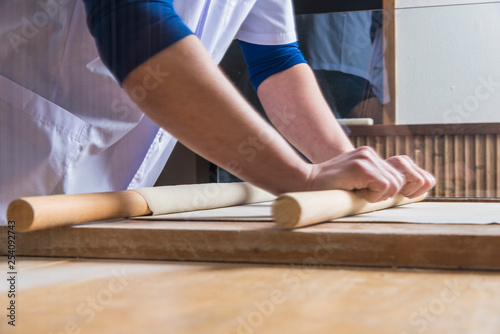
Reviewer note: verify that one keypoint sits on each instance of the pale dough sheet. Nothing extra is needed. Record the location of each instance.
(260, 212)
(417, 213)
(181, 198)
(434, 213)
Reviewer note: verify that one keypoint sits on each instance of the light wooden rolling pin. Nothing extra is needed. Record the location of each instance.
(289, 210)
(293, 210)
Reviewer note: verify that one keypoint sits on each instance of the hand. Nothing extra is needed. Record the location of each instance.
(362, 170)
(418, 181)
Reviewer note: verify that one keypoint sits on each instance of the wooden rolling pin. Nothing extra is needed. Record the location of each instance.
(289, 210)
(42, 212)
(306, 208)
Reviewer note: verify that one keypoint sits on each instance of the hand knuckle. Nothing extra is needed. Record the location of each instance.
(366, 151)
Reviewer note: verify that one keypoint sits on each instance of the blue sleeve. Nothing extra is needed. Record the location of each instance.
(129, 32)
(266, 60)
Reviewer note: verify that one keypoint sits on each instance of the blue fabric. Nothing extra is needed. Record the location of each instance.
(266, 60)
(129, 32)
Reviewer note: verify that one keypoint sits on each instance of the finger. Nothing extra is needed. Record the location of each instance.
(375, 181)
(429, 183)
(418, 181)
(378, 190)
(414, 179)
(381, 180)
(398, 180)
(395, 179)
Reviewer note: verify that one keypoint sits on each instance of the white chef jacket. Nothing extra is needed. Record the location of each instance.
(65, 124)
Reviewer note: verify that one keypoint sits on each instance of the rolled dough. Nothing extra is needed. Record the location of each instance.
(182, 198)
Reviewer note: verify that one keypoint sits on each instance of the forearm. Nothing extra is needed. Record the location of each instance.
(193, 100)
(295, 105)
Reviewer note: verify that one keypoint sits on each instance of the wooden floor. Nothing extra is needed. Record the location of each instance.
(119, 296)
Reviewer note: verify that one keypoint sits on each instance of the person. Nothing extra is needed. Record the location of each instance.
(68, 127)
(346, 51)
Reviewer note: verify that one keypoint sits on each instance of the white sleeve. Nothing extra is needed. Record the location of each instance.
(270, 22)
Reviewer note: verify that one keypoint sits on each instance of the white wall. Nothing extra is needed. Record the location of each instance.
(448, 62)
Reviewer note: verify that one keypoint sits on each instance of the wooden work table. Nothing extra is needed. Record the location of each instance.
(242, 277)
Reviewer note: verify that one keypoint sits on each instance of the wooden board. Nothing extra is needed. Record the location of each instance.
(109, 296)
(358, 243)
